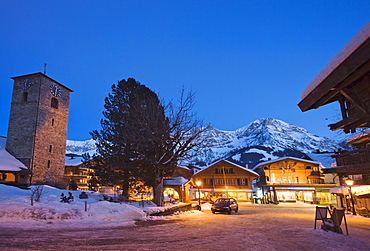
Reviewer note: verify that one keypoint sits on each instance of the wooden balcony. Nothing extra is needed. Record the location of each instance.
(360, 156)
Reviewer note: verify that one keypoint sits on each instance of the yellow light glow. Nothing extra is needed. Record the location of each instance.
(198, 183)
(349, 182)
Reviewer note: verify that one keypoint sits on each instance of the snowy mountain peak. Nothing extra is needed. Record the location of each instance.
(258, 141)
(81, 147)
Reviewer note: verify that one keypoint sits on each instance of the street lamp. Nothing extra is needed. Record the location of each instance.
(198, 183)
(349, 183)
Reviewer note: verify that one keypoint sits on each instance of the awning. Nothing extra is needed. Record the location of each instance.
(356, 190)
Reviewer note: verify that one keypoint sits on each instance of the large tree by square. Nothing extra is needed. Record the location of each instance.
(139, 142)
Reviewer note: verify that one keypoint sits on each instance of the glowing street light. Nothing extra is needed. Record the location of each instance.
(349, 183)
(198, 183)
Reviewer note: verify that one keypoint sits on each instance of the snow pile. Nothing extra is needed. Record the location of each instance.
(15, 206)
(8, 161)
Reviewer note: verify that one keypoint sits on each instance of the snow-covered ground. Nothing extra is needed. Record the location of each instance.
(16, 209)
(114, 226)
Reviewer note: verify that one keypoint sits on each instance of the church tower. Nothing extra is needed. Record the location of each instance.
(37, 129)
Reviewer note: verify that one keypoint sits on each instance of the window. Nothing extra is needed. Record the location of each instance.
(224, 170)
(54, 103)
(208, 182)
(48, 163)
(25, 96)
(355, 176)
(242, 182)
(229, 170)
(52, 122)
(50, 148)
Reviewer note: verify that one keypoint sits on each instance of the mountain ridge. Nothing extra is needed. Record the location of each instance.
(260, 140)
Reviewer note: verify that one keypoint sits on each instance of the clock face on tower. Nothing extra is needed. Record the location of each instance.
(55, 90)
(26, 84)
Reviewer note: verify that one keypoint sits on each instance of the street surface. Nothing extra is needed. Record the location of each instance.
(254, 227)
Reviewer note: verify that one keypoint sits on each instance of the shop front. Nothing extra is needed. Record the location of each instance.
(361, 195)
(213, 194)
(312, 195)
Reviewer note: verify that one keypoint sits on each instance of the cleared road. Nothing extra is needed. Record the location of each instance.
(254, 227)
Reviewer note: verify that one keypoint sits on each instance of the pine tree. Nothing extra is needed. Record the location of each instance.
(138, 142)
(127, 136)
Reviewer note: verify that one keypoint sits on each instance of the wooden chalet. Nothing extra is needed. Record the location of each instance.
(346, 80)
(291, 179)
(223, 179)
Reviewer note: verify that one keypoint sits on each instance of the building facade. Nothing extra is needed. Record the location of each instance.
(37, 127)
(290, 179)
(223, 179)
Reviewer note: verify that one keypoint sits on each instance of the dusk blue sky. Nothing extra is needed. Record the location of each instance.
(245, 60)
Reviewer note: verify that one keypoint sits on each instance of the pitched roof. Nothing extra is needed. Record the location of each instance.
(286, 158)
(358, 137)
(229, 162)
(8, 162)
(177, 181)
(39, 73)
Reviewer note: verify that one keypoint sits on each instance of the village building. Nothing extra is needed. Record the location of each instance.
(346, 80)
(78, 175)
(177, 187)
(12, 171)
(291, 179)
(38, 125)
(223, 178)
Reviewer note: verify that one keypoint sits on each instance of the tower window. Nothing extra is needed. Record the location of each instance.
(54, 103)
(48, 163)
(50, 148)
(25, 96)
(52, 122)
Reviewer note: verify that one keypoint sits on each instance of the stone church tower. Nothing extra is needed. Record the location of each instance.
(38, 124)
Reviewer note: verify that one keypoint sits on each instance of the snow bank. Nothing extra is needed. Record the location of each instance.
(15, 207)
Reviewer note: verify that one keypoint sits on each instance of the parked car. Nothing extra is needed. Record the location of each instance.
(225, 205)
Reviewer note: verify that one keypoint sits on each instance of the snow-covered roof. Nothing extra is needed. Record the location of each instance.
(236, 165)
(7, 161)
(357, 137)
(183, 167)
(347, 50)
(286, 158)
(178, 181)
(75, 161)
(324, 158)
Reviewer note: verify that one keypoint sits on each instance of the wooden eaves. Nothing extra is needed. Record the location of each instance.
(351, 66)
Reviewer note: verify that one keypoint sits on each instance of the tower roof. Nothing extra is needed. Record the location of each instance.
(39, 73)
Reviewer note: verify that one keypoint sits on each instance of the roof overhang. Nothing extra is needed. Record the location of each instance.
(350, 64)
